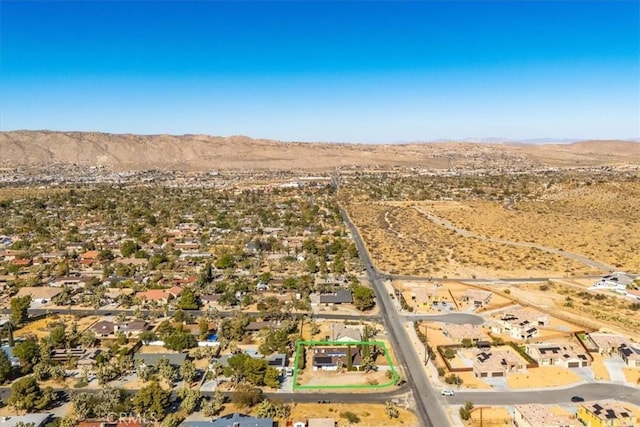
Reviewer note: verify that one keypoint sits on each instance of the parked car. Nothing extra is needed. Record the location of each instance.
(448, 392)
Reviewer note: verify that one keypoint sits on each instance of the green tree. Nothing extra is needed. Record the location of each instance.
(363, 298)
(180, 339)
(247, 396)
(28, 351)
(151, 399)
(203, 327)
(167, 370)
(188, 371)
(272, 378)
(19, 307)
(465, 411)
(128, 248)
(26, 395)
(188, 300)
(213, 406)
(5, 367)
(190, 400)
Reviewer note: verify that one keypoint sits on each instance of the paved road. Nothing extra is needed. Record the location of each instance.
(115, 311)
(466, 233)
(590, 392)
(429, 407)
(300, 397)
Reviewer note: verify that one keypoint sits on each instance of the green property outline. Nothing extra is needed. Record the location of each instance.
(392, 381)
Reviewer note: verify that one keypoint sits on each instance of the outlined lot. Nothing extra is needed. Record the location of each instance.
(311, 344)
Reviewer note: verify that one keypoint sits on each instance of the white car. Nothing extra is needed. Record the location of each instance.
(448, 392)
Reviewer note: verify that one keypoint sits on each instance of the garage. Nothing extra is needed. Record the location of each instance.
(497, 374)
(573, 364)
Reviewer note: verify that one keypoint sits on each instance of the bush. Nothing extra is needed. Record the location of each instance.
(350, 416)
(453, 379)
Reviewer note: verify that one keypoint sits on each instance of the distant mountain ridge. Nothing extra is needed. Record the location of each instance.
(203, 152)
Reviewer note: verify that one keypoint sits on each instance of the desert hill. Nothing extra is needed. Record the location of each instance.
(202, 152)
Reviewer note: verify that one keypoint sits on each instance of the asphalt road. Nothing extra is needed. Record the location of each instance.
(299, 397)
(590, 392)
(429, 407)
(114, 311)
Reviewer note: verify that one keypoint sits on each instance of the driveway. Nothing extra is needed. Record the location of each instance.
(614, 365)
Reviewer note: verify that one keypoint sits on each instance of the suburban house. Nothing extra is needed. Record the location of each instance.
(630, 355)
(105, 328)
(607, 343)
(339, 297)
(606, 415)
(333, 358)
(476, 297)
(150, 359)
(344, 333)
(497, 364)
(457, 333)
(175, 291)
(520, 324)
(424, 296)
(157, 295)
(74, 282)
(102, 328)
(558, 355)
(280, 362)
(232, 420)
(257, 326)
(132, 328)
(533, 415)
(39, 294)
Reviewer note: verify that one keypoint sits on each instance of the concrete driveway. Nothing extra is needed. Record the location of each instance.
(614, 365)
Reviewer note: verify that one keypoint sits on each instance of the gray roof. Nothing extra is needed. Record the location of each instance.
(36, 419)
(152, 359)
(339, 297)
(232, 420)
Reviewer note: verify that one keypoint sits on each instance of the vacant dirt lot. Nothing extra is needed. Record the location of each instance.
(597, 221)
(544, 376)
(403, 241)
(40, 327)
(371, 415)
(583, 307)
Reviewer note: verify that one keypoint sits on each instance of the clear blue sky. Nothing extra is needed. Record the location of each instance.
(324, 71)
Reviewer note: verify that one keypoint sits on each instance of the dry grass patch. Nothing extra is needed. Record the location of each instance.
(596, 220)
(489, 416)
(401, 240)
(632, 375)
(40, 327)
(588, 309)
(544, 376)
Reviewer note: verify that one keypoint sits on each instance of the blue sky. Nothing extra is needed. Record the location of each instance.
(367, 72)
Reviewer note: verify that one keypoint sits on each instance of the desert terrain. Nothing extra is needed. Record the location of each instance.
(203, 152)
(542, 226)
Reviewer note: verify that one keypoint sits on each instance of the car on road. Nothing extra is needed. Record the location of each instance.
(448, 392)
(577, 399)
